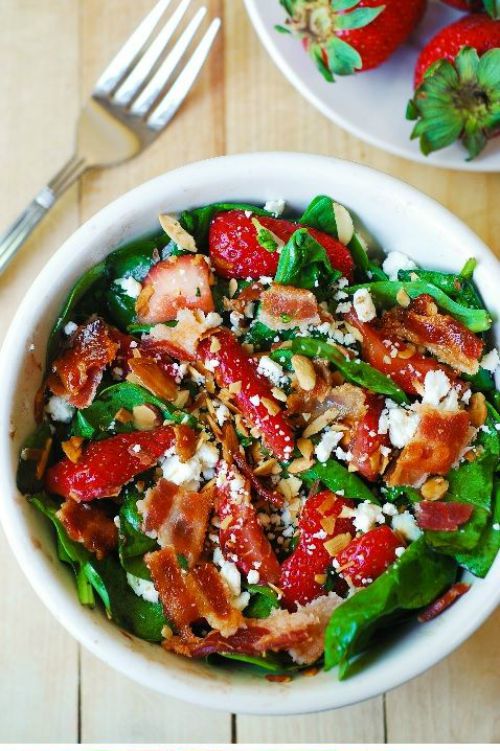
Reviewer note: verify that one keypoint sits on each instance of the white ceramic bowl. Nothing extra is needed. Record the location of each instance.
(400, 218)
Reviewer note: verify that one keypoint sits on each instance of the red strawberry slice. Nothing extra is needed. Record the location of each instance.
(457, 81)
(407, 372)
(177, 283)
(367, 441)
(302, 573)
(105, 466)
(367, 557)
(236, 252)
(232, 366)
(241, 536)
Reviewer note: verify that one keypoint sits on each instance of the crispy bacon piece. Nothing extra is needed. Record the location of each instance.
(283, 307)
(443, 602)
(105, 466)
(89, 526)
(391, 356)
(189, 597)
(301, 400)
(179, 282)
(234, 369)
(241, 536)
(186, 440)
(252, 293)
(78, 371)
(438, 443)
(442, 516)
(300, 633)
(181, 341)
(446, 338)
(366, 442)
(178, 518)
(149, 374)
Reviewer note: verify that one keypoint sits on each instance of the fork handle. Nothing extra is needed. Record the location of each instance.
(22, 227)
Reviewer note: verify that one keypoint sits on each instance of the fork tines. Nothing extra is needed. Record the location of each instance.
(134, 80)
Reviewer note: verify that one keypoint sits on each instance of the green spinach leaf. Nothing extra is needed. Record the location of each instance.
(336, 477)
(26, 479)
(480, 560)
(304, 263)
(263, 601)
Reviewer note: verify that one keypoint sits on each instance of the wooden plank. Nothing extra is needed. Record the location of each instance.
(140, 715)
(38, 700)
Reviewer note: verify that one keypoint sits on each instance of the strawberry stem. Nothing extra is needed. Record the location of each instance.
(458, 101)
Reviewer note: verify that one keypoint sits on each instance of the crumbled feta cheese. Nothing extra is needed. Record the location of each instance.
(232, 577)
(266, 280)
(363, 305)
(255, 400)
(143, 588)
(366, 516)
(345, 456)
(59, 409)
(389, 509)
(406, 525)
(436, 386)
(70, 328)
(329, 440)
(395, 262)
(130, 286)
(402, 423)
(253, 576)
(399, 551)
(275, 206)
(212, 320)
(241, 602)
(189, 474)
(222, 414)
(344, 307)
(212, 364)
(490, 361)
(271, 370)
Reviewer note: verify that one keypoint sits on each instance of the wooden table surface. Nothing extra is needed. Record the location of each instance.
(51, 51)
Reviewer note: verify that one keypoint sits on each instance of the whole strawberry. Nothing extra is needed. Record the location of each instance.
(345, 36)
(457, 86)
(490, 6)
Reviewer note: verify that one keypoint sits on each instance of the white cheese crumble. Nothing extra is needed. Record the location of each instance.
(389, 509)
(253, 576)
(143, 588)
(490, 361)
(395, 262)
(255, 400)
(436, 386)
(222, 414)
(275, 206)
(130, 286)
(271, 370)
(401, 424)
(59, 409)
(406, 525)
(399, 551)
(70, 328)
(329, 440)
(366, 516)
(190, 474)
(363, 305)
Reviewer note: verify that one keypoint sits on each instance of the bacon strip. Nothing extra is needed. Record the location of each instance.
(189, 597)
(437, 445)
(77, 373)
(442, 516)
(177, 518)
(89, 526)
(283, 307)
(448, 339)
(443, 602)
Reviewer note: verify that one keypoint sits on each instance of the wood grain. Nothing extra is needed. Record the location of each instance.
(241, 103)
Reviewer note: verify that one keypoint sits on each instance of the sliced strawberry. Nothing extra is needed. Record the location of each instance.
(177, 283)
(232, 366)
(367, 441)
(241, 536)
(367, 557)
(407, 371)
(236, 252)
(302, 574)
(105, 466)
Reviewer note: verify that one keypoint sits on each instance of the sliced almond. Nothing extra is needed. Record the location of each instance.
(267, 468)
(270, 405)
(345, 225)
(320, 422)
(232, 287)
(337, 543)
(181, 399)
(147, 373)
(304, 370)
(478, 411)
(403, 298)
(328, 524)
(124, 416)
(279, 394)
(73, 448)
(214, 344)
(306, 447)
(177, 233)
(145, 417)
(407, 352)
(44, 458)
(434, 488)
(234, 388)
(240, 426)
(142, 302)
(300, 465)
(320, 578)
(226, 522)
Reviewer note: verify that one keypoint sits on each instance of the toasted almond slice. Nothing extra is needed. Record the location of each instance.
(145, 417)
(477, 409)
(214, 344)
(306, 447)
(304, 370)
(240, 426)
(182, 398)
(177, 233)
(267, 468)
(328, 524)
(124, 416)
(44, 458)
(234, 388)
(320, 578)
(407, 352)
(337, 543)
(73, 448)
(270, 405)
(403, 298)
(434, 488)
(300, 465)
(226, 522)
(279, 394)
(320, 422)
(142, 302)
(232, 287)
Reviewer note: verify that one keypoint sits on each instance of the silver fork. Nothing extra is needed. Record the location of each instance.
(128, 107)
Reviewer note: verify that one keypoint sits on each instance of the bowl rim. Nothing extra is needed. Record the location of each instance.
(245, 696)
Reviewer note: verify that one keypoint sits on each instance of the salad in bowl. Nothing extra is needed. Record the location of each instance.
(258, 443)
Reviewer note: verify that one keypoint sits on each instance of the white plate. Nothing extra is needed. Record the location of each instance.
(370, 105)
